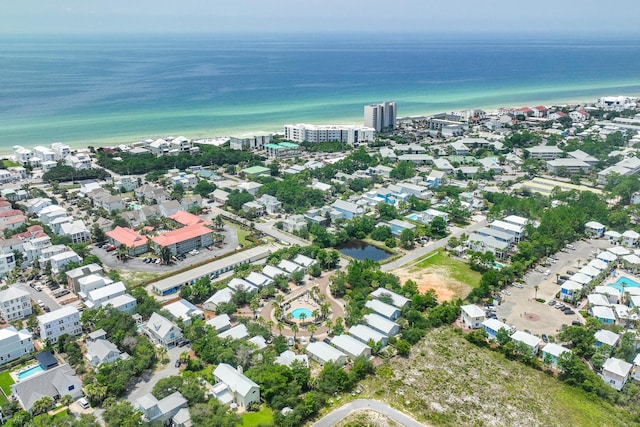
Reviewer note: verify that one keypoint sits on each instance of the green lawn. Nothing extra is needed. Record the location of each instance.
(10, 164)
(458, 270)
(263, 416)
(5, 382)
(242, 233)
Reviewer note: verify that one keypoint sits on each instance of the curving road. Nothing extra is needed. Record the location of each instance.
(335, 416)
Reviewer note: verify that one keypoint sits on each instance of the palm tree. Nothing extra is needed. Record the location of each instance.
(280, 325)
(253, 305)
(324, 309)
(165, 255)
(312, 328)
(270, 325)
(66, 400)
(279, 299)
(315, 314)
(185, 356)
(302, 317)
(294, 329)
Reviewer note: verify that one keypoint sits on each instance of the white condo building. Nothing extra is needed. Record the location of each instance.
(381, 117)
(351, 134)
(15, 303)
(65, 320)
(14, 344)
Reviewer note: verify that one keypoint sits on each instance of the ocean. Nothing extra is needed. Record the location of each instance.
(100, 90)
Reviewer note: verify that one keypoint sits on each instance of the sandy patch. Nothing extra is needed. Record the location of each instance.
(438, 279)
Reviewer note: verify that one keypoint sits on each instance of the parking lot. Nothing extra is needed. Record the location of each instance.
(519, 307)
(111, 260)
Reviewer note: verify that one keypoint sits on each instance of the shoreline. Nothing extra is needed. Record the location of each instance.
(110, 141)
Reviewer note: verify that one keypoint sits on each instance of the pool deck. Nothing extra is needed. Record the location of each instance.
(303, 301)
(14, 374)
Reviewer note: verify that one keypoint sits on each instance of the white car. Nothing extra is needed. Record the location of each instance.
(40, 303)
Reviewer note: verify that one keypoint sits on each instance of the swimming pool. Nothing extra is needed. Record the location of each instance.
(413, 217)
(296, 312)
(625, 281)
(31, 371)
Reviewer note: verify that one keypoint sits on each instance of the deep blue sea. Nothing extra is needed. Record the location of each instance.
(101, 89)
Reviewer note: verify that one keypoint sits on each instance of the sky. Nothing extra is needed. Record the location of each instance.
(320, 16)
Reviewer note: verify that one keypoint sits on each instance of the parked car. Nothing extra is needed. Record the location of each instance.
(326, 341)
(551, 303)
(40, 303)
(576, 323)
(178, 363)
(290, 342)
(569, 312)
(545, 338)
(46, 308)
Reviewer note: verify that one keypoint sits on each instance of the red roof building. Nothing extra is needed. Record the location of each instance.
(136, 243)
(185, 239)
(187, 218)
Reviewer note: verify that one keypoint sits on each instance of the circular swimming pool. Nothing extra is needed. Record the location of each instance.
(296, 312)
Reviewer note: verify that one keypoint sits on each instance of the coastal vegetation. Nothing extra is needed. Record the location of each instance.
(62, 173)
(448, 381)
(139, 164)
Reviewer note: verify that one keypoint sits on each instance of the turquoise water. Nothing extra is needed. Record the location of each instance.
(413, 217)
(618, 287)
(98, 90)
(625, 281)
(296, 312)
(31, 371)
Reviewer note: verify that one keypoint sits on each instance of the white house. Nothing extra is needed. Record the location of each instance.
(243, 391)
(396, 299)
(493, 326)
(381, 324)
(98, 297)
(531, 341)
(615, 372)
(594, 229)
(238, 332)
(367, 335)
(351, 346)
(472, 316)
(55, 383)
(222, 296)
(220, 323)
(102, 351)
(184, 310)
(630, 238)
(65, 320)
(160, 410)
(324, 353)
(636, 367)
(15, 303)
(604, 314)
(552, 352)
(287, 357)
(385, 310)
(162, 331)
(605, 337)
(14, 344)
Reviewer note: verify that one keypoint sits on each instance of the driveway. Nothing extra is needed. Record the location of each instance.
(521, 310)
(146, 383)
(336, 415)
(44, 295)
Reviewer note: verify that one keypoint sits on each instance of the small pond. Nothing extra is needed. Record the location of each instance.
(357, 249)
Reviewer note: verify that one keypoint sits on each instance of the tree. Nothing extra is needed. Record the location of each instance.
(236, 199)
(386, 211)
(165, 255)
(381, 233)
(406, 238)
(297, 277)
(66, 400)
(99, 235)
(204, 188)
(438, 227)
(121, 414)
(312, 328)
(42, 405)
(294, 329)
(403, 347)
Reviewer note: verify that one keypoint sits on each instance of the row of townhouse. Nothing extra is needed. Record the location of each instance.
(378, 327)
(96, 290)
(255, 281)
(499, 237)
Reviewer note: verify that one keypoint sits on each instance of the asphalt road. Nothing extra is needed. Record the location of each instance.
(43, 295)
(335, 416)
(431, 246)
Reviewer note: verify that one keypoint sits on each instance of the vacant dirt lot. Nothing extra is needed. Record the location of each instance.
(438, 279)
